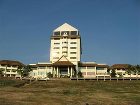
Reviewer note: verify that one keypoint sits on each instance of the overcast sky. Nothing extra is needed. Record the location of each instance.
(110, 29)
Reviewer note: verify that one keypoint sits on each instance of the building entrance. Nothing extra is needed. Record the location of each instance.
(63, 71)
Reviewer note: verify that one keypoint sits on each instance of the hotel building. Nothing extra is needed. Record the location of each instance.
(65, 57)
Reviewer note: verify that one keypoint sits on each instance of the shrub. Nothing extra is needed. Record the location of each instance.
(49, 75)
(113, 73)
(80, 74)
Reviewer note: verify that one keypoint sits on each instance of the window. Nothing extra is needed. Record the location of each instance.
(14, 66)
(73, 32)
(48, 67)
(8, 66)
(56, 43)
(65, 42)
(73, 43)
(56, 48)
(65, 32)
(72, 47)
(2, 69)
(83, 73)
(56, 38)
(100, 68)
(8, 70)
(3, 65)
(83, 67)
(13, 70)
(73, 38)
(90, 73)
(64, 37)
(55, 57)
(72, 57)
(41, 67)
(57, 33)
(72, 52)
(13, 75)
(90, 67)
(65, 47)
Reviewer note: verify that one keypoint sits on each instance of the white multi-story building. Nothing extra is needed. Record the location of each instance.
(65, 41)
(65, 56)
(65, 48)
(9, 68)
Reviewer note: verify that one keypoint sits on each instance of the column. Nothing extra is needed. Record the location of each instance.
(71, 72)
(5, 71)
(68, 71)
(86, 71)
(37, 73)
(57, 72)
(53, 71)
(95, 71)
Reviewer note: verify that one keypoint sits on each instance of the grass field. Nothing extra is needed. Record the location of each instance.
(66, 92)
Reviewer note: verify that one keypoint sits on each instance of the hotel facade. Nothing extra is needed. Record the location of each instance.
(65, 57)
(65, 60)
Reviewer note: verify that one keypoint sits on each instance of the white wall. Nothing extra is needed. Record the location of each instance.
(40, 73)
(88, 72)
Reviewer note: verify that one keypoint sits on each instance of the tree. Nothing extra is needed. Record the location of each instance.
(108, 70)
(129, 70)
(134, 70)
(27, 70)
(113, 73)
(20, 70)
(1, 72)
(80, 74)
(138, 69)
(24, 70)
(49, 75)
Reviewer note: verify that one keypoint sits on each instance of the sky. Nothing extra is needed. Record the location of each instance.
(109, 29)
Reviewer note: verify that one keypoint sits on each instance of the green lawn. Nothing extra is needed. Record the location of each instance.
(66, 92)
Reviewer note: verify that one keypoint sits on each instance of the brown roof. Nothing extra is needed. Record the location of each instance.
(120, 66)
(92, 65)
(105, 66)
(11, 63)
(63, 63)
(87, 64)
(44, 64)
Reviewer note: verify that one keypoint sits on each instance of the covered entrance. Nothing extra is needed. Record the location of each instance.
(63, 69)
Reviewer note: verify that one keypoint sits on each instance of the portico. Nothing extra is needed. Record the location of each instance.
(63, 68)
